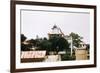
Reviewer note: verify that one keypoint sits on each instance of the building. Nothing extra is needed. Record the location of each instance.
(81, 52)
(56, 32)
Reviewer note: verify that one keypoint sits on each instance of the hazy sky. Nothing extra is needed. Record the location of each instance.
(40, 23)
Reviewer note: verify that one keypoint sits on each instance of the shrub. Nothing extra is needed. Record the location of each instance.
(67, 56)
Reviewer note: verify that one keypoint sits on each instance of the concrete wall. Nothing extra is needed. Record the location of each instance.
(81, 54)
(53, 58)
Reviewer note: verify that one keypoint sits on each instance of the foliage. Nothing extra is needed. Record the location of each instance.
(59, 44)
(33, 42)
(44, 45)
(23, 37)
(67, 56)
(76, 39)
(56, 43)
(25, 47)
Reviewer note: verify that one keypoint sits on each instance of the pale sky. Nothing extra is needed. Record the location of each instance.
(40, 23)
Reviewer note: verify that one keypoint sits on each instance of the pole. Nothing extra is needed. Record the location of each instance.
(71, 45)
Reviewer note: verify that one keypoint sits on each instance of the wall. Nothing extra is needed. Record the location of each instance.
(5, 36)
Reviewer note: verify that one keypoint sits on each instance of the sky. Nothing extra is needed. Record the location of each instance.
(40, 22)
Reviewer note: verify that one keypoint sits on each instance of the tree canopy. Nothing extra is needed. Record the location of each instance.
(59, 44)
(23, 37)
(76, 39)
(25, 47)
(56, 43)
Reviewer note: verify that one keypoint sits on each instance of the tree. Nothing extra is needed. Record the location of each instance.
(63, 44)
(24, 47)
(23, 37)
(59, 44)
(54, 42)
(44, 44)
(76, 39)
(33, 42)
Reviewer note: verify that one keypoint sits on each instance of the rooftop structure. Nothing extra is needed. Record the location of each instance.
(56, 31)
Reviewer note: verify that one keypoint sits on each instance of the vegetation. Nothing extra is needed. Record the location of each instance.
(52, 44)
(25, 47)
(23, 38)
(59, 44)
(76, 39)
(67, 56)
(55, 44)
